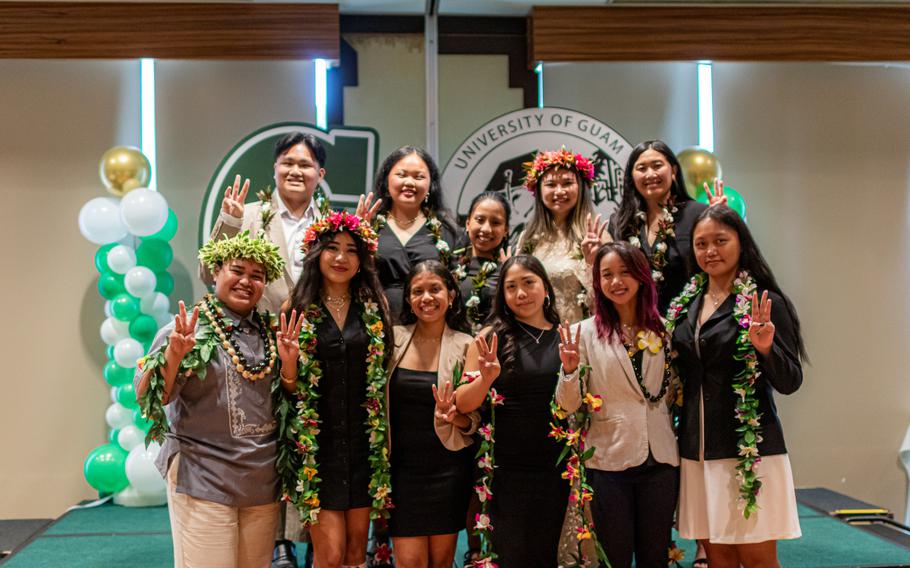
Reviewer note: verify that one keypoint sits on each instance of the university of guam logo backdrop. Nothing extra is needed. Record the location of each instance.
(351, 154)
(490, 159)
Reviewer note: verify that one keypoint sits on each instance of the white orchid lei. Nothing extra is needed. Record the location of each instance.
(478, 282)
(486, 464)
(665, 229)
(299, 421)
(746, 409)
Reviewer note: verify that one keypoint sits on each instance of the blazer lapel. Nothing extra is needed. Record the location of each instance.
(623, 357)
(276, 235)
(445, 353)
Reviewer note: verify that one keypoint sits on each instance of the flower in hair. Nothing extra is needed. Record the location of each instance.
(561, 158)
(337, 221)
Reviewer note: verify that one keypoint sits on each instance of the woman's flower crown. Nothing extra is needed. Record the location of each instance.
(337, 221)
(562, 158)
(216, 252)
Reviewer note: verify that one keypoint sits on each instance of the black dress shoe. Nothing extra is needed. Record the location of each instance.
(284, 555)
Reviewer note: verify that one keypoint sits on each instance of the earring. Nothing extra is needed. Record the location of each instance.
(426, 198)
(546, 301)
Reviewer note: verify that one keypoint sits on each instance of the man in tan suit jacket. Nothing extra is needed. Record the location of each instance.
(299, 168)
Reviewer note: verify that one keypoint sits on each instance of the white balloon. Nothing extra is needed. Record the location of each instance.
(141, 470)
(140, 281)
(121, 258)
(107, 309)
(162, 319)
(155, 304)
(127, 352)
(143, 211)
(118, 416)
(100, 222)
(130, 497)
(114, 331)
(130, 436)
(113, 394)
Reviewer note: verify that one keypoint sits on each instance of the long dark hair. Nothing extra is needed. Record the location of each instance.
(751, 259)
(434, 203)
(606, 317)
(502, 320)
(499, 198)
(542, 225)
(632, 202)
(364, 286)
(456, 315)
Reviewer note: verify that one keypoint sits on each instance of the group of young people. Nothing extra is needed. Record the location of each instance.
(566, 398)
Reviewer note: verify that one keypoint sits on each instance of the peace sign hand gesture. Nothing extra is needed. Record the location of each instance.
(364, 209)
(717, 196)
(287, 339)
(445, 403)
(594, 232)
(486, 358)
(234, 198)
(568, 348)
(505, 254)
(182, 340)
(761, 330)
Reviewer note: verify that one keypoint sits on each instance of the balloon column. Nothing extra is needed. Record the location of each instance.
(133, 230)
(702, 167)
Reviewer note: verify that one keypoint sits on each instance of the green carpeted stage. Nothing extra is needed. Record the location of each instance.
(109, 535)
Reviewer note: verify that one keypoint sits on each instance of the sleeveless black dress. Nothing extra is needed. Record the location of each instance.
(431, 484)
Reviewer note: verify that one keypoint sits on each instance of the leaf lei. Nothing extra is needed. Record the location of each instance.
(478, 282)
(193, 363)
(576, 471)
(266, 213)
(486, 464)
(664, 231)
(299, 422)
(743, 383)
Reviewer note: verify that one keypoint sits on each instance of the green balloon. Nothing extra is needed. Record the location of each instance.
(735, 201)
(126, 395)
(169, 229)
(101, 258)
(124, 307)
(115, 375)
(113, 436)
(105, 469)
(140, 421)
(143, 328)
(155, 254)
(165, 283)
(110, 285)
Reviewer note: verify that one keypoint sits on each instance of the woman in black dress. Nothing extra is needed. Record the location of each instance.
(477, 264)
(431, 461)
(656, 215)
(341, 297)
(413, 224)
(517, 358)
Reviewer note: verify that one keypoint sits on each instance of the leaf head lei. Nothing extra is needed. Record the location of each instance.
(216, 252)
(746, 409)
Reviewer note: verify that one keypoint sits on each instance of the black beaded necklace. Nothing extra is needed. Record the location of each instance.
(638, 369)
(213, 312)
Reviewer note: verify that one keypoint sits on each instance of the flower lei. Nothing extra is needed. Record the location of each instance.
(486, 463)
(193, 363)
(561, 158)
(299, 421)
(652, 342)
(664, 231)
(576, 473)
(743, 383)
(266, 213)
(336, 221)
(478, 282)
(434, 226)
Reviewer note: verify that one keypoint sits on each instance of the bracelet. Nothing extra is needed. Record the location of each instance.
(287, 379)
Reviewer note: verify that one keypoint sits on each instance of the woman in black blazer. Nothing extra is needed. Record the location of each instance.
(733, 351)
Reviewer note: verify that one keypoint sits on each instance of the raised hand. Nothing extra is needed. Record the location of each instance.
(717, 196)
(287, 339)
(761, 330)
(234, 198)
(445, 403)
(364, 209)
(594, 232)
(486, 358)
(505, 254)
(182, 340)
(568, 347)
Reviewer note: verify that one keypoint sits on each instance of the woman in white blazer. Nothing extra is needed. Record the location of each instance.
(634, 471)
(431, 467)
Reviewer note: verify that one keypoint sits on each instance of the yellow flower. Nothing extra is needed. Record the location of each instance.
(376, 328)
(650, 341)
(594, 402)
(676, 554)
(560, 413)
(312, 501)
(583, 533)
(309, 472)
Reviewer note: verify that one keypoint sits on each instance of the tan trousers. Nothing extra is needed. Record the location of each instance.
(208, 534)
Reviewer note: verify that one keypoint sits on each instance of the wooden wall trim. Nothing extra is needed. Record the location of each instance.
(734, 33)
(90, 30)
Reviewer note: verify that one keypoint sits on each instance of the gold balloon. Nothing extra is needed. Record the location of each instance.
(699, 167)
(123, 169)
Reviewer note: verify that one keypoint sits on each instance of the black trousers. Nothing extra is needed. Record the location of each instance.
(633, 512)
